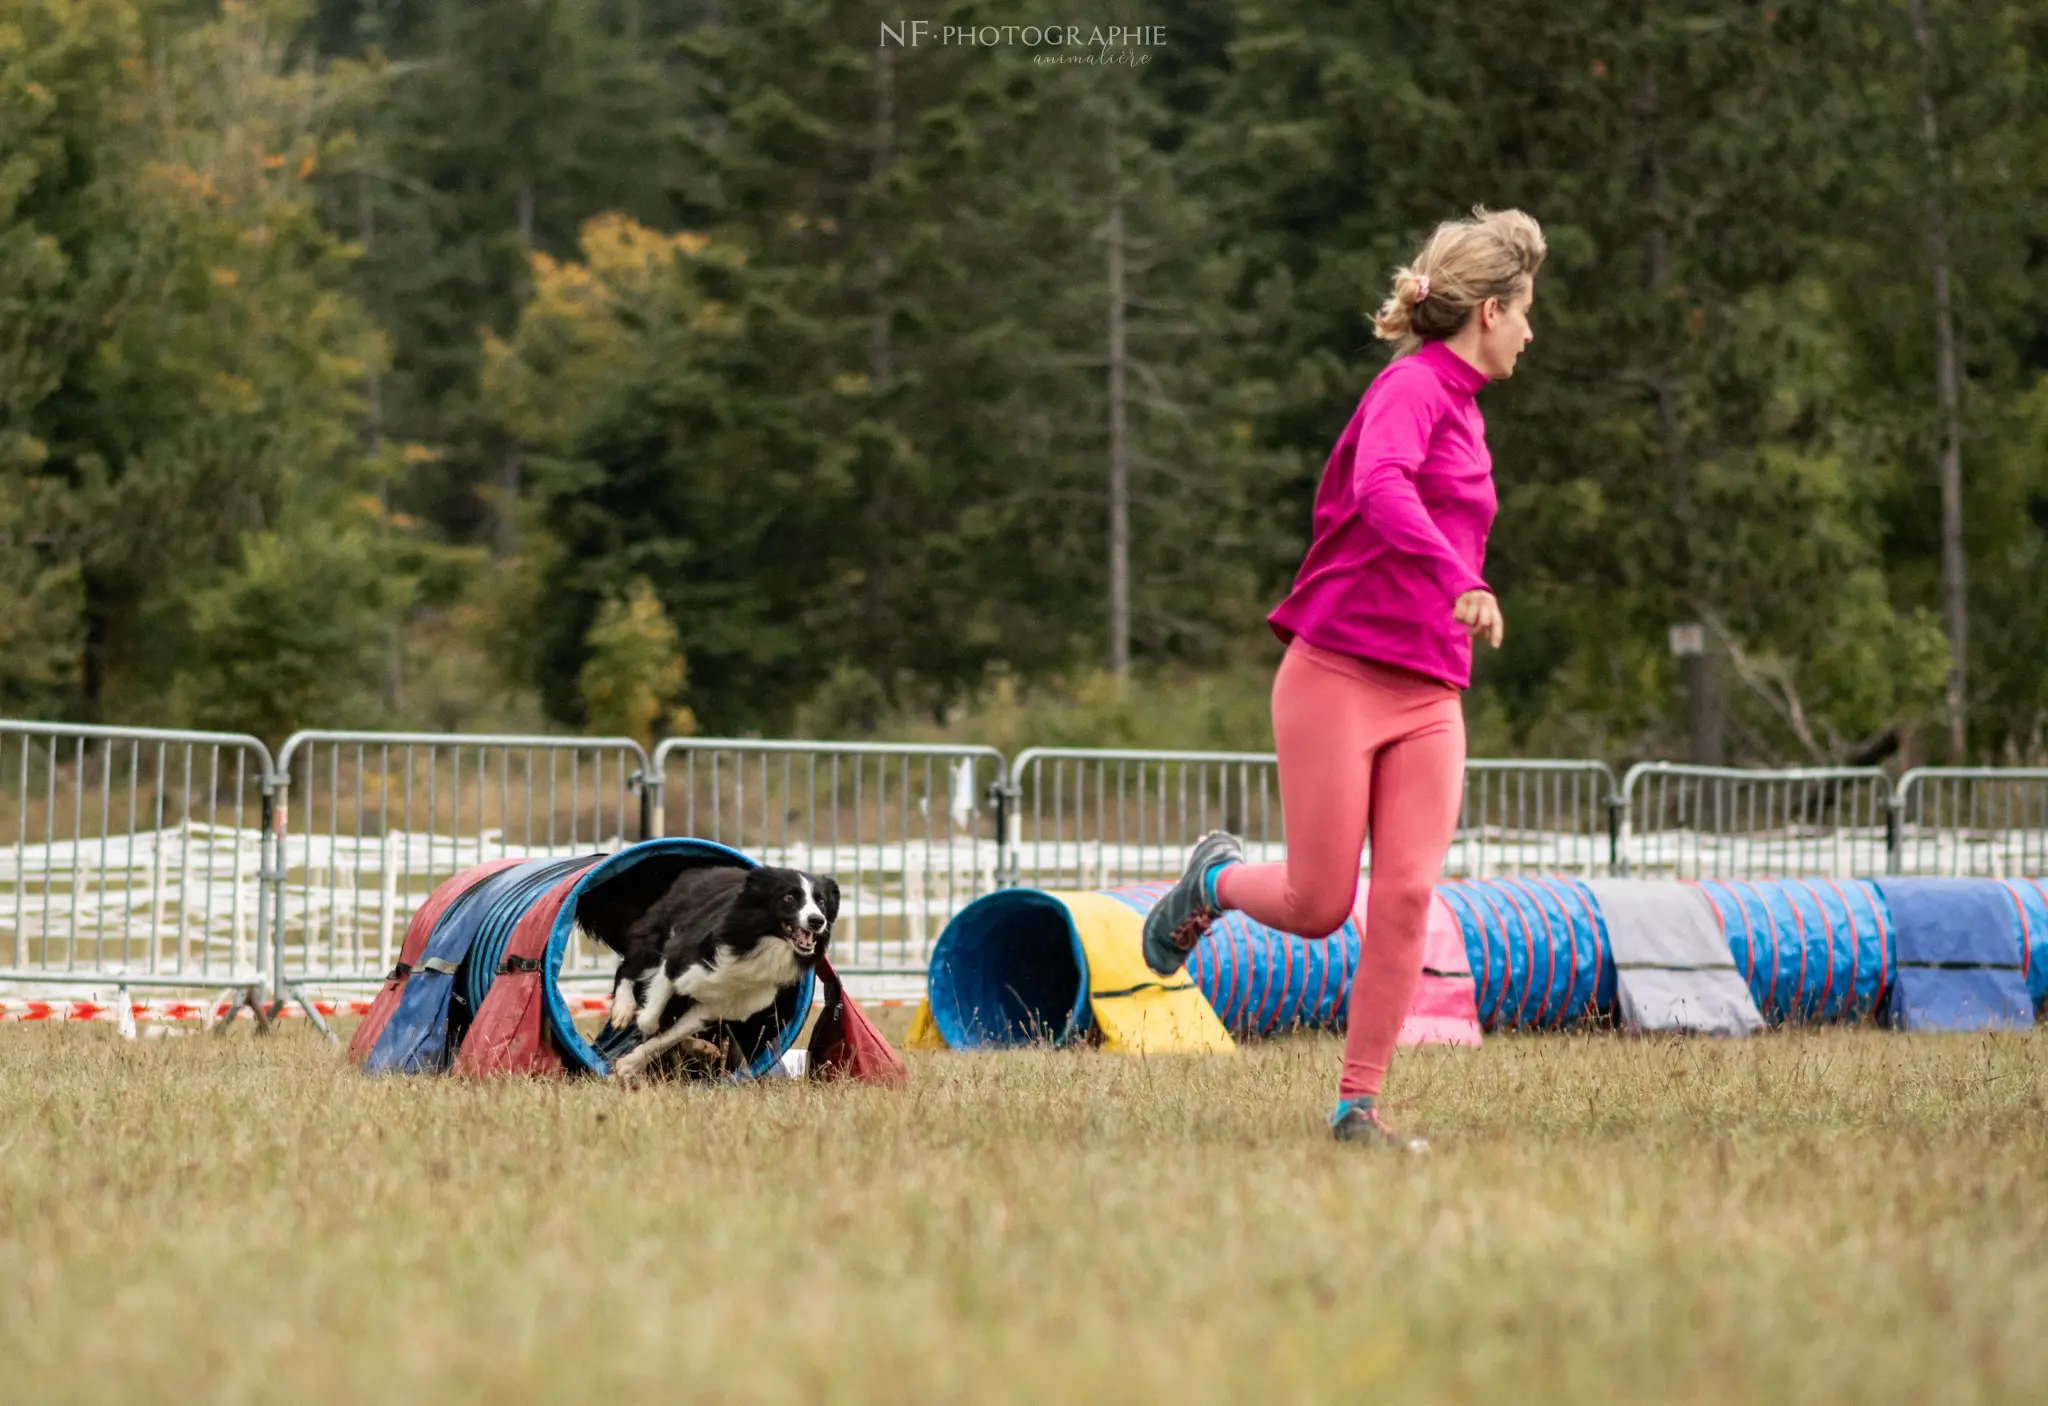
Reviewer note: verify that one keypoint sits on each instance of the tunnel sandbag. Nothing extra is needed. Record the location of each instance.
(1812, 950)
(631, 878)
(1537, 949)
(414, 945)
(1673, 968)
(433, 1011)
(844, 1043)
(1445, 1010)
(1957, 956)
(2030, 906)
(1027, 966)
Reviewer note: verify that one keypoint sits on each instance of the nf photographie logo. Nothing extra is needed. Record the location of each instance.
(1051, 43)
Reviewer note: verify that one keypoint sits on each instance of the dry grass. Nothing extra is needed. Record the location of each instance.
(1842, 1217)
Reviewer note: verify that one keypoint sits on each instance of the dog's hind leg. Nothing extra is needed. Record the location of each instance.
(636, 1061)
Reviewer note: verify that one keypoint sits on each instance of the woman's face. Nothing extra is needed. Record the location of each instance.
(1503, 332)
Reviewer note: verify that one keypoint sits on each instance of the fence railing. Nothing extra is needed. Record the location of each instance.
(138, 856)
(369, 822)
(156, 858)
(911, 832)
(1696, 822)
(1528, 817)
(1989, 822)
(1084, 818)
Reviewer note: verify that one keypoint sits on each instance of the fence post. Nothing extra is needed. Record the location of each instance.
(653, 817)
(1894, 829)
(1618, 835)
(1002, 794)
(270, 884)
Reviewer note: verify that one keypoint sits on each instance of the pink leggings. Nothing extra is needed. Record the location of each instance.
(1362, 746)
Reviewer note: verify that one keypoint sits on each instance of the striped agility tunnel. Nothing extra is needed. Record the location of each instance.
(1025, 966)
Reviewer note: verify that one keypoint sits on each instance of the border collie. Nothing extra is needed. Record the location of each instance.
(720, 945)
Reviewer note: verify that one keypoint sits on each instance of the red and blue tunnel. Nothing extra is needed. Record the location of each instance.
(477, 988)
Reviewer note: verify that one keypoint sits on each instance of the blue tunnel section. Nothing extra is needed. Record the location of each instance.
(1812, 950)
(1009, 971)
(1537, 948)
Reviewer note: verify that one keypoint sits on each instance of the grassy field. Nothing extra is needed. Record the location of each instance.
(1836, 1217)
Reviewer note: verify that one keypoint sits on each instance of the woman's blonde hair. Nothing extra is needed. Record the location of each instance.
(1494, 254)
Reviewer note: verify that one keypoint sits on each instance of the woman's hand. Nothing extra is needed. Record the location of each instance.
(1480, 614)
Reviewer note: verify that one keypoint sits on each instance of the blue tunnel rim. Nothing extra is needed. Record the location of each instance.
(576, 1051)
(972, 919)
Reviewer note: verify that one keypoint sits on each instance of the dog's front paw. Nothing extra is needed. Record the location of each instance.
(630, 1065)
(624, 1007)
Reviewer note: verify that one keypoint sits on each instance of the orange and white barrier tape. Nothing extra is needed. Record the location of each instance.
(72, 1008)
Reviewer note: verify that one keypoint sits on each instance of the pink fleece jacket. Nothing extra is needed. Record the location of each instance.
(1400, 523)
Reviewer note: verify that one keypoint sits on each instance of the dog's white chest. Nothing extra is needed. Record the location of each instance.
(733, 988)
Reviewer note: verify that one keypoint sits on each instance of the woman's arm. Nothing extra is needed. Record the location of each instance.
(1391, 445)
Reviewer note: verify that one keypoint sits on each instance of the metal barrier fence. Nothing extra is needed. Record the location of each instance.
(1988, 822)
(370, 822)
(155, 858)
(910, 832)
(138, 856)
(1695, 822)
(1085, 818)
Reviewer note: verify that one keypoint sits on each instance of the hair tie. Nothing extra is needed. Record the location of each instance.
(1422, 288)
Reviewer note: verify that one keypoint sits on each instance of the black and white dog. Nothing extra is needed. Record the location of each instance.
(720, 945)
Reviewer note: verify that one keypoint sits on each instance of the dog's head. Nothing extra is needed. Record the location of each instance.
(799, 908)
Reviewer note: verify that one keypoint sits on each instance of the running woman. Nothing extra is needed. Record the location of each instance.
(1367, 713)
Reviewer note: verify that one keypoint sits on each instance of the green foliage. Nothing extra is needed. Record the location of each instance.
(188, 374)
(553, 340)
(294, 634)
(633, 672)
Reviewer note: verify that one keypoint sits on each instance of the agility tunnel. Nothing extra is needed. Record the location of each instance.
(1719, 957)
(477, 989)
(1024, 966)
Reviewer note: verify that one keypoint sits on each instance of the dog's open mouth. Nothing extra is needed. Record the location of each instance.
(806, 943)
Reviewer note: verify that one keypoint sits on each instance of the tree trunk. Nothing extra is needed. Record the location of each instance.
(1702, 694)
(1954, 583)
(1119, 447)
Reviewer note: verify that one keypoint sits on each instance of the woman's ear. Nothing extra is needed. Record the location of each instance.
(1489, 313)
